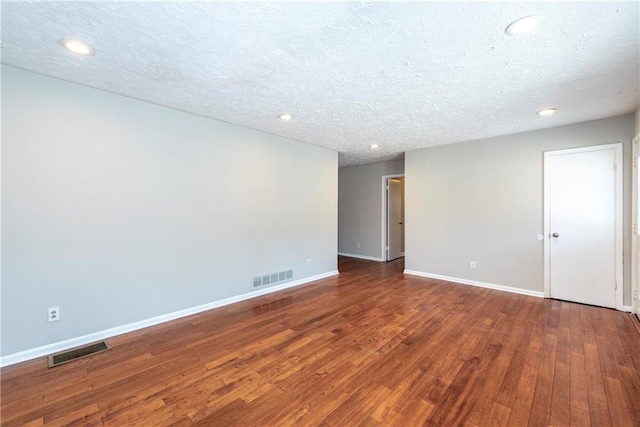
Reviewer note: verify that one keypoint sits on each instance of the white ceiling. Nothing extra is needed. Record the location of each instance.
(403, 75)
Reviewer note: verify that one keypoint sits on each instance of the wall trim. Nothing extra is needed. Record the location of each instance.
(33, 353)
(493, 286)
(627, 308)
(368, 258)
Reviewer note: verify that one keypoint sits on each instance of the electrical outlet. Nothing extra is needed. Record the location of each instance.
(54, 314)
(358, 245)
(472, 265)
(308, 263)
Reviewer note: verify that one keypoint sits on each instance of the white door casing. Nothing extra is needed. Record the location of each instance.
(583, 225)
(394, 219)
(635, 243)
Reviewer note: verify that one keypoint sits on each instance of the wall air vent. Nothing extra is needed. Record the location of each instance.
(257, 282)
(271, 279)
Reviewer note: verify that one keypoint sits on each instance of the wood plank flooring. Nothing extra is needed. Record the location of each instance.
(370, 347)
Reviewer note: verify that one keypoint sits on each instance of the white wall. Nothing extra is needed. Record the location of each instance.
(637, 116)
(117, 210)
(360, 207)
(483, 201)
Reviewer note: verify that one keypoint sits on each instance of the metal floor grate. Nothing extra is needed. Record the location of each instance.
(78, 353)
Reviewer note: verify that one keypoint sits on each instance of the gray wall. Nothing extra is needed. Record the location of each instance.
(360, 207)
(117, 210)
(638, 120)
(483, 201)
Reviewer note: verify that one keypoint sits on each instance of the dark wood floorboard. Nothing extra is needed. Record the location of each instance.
(370, 347)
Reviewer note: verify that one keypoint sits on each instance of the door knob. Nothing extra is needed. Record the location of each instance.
(555, 235)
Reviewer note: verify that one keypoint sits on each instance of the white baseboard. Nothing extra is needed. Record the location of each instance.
(479, 284)
(44, 350)
(627, 308)
(369, 258)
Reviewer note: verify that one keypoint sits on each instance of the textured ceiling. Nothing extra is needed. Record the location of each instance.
(404, 75)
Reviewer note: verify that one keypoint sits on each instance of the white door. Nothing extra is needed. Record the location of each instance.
(582, 230)
(394, 219)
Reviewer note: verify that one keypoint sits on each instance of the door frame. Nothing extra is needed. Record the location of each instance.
(635, 212)
(618, 200)
(385, 225)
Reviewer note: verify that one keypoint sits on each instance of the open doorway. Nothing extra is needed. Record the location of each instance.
(393, 217)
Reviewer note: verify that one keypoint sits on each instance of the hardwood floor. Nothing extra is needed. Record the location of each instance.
(369, 347)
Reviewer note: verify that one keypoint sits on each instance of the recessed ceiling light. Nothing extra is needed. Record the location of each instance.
(76, 46)
(546, 112)
(522, 25)
(374, 146)
(285, 116)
